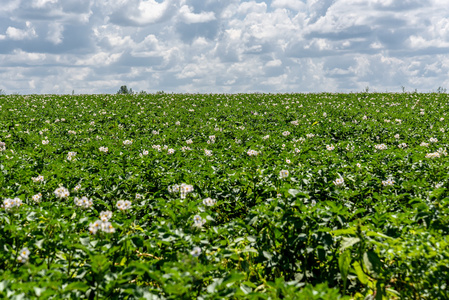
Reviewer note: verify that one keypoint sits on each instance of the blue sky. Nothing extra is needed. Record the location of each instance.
(223, 46)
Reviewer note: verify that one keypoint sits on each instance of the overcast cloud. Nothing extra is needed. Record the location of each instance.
(95, 46)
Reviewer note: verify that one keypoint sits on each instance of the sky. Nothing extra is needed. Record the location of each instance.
(223, 46)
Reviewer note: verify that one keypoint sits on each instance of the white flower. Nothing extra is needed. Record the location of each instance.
(339, 182)
(37, 197)
(24, 255)
(424, 144)
(396, 136)
(358, 165)
(252, 152)
(173, 189)
(171, 151)
(266, 137)
(95, 226)
(107, 227)
(83, 202)
(330, 147)
(207, 152)
(209, 202)
(71, 155)
(189, 141)
(103, 149)
(9, 203)
(2, 146)
(196, 251)
(139, 196)
(388, 182)
(105, 215)
(403, 145)
(433, 140)
(127, 142)
(198, 221)
(45, 142)
(380, 147)
(62, 192)
(77, 187)
(123, 205)
(433, 155)
(39, 178)
(283, 173)
(288, 161)
(296, 123)
(310, 135)
(286, 133)
(185, 189)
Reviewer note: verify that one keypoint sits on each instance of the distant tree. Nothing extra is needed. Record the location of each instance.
(441, 90)
(124, 90)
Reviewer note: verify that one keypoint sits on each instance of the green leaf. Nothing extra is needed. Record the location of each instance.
(80, 286)
(359, 272)
(348, 242)
(344, 262)
(372, 262)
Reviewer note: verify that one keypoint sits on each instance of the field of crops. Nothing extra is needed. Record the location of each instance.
(239, 196)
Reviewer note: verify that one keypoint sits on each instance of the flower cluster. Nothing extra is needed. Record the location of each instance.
(2, 146)
(330, 147)
(39, 178)
(209, 202)
(286, 133)
(71, 155)
(433, 155)
(381, 147)
(402, 145)
(198, 221)
(100, 225)
(84, 202)
(339, 182)
(62, 192)
(127, 142)
(24, 255)
(123, 205)
(36, 198)
(9, 203)
(388, 182)
(211, 139)
(207, 152)
(433, 140)
(252, 152)
(103, 149)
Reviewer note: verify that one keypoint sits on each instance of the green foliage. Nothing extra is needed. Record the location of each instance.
(124, 90)
(247, 196)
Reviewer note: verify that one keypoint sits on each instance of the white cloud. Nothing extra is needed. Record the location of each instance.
(55, 33)
(289, 4)
(21, 34)
(187, 16)
(222, 46)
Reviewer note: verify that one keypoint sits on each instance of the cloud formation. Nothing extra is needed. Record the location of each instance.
(56, 46)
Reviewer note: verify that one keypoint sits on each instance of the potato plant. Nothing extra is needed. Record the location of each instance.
(224, 196)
